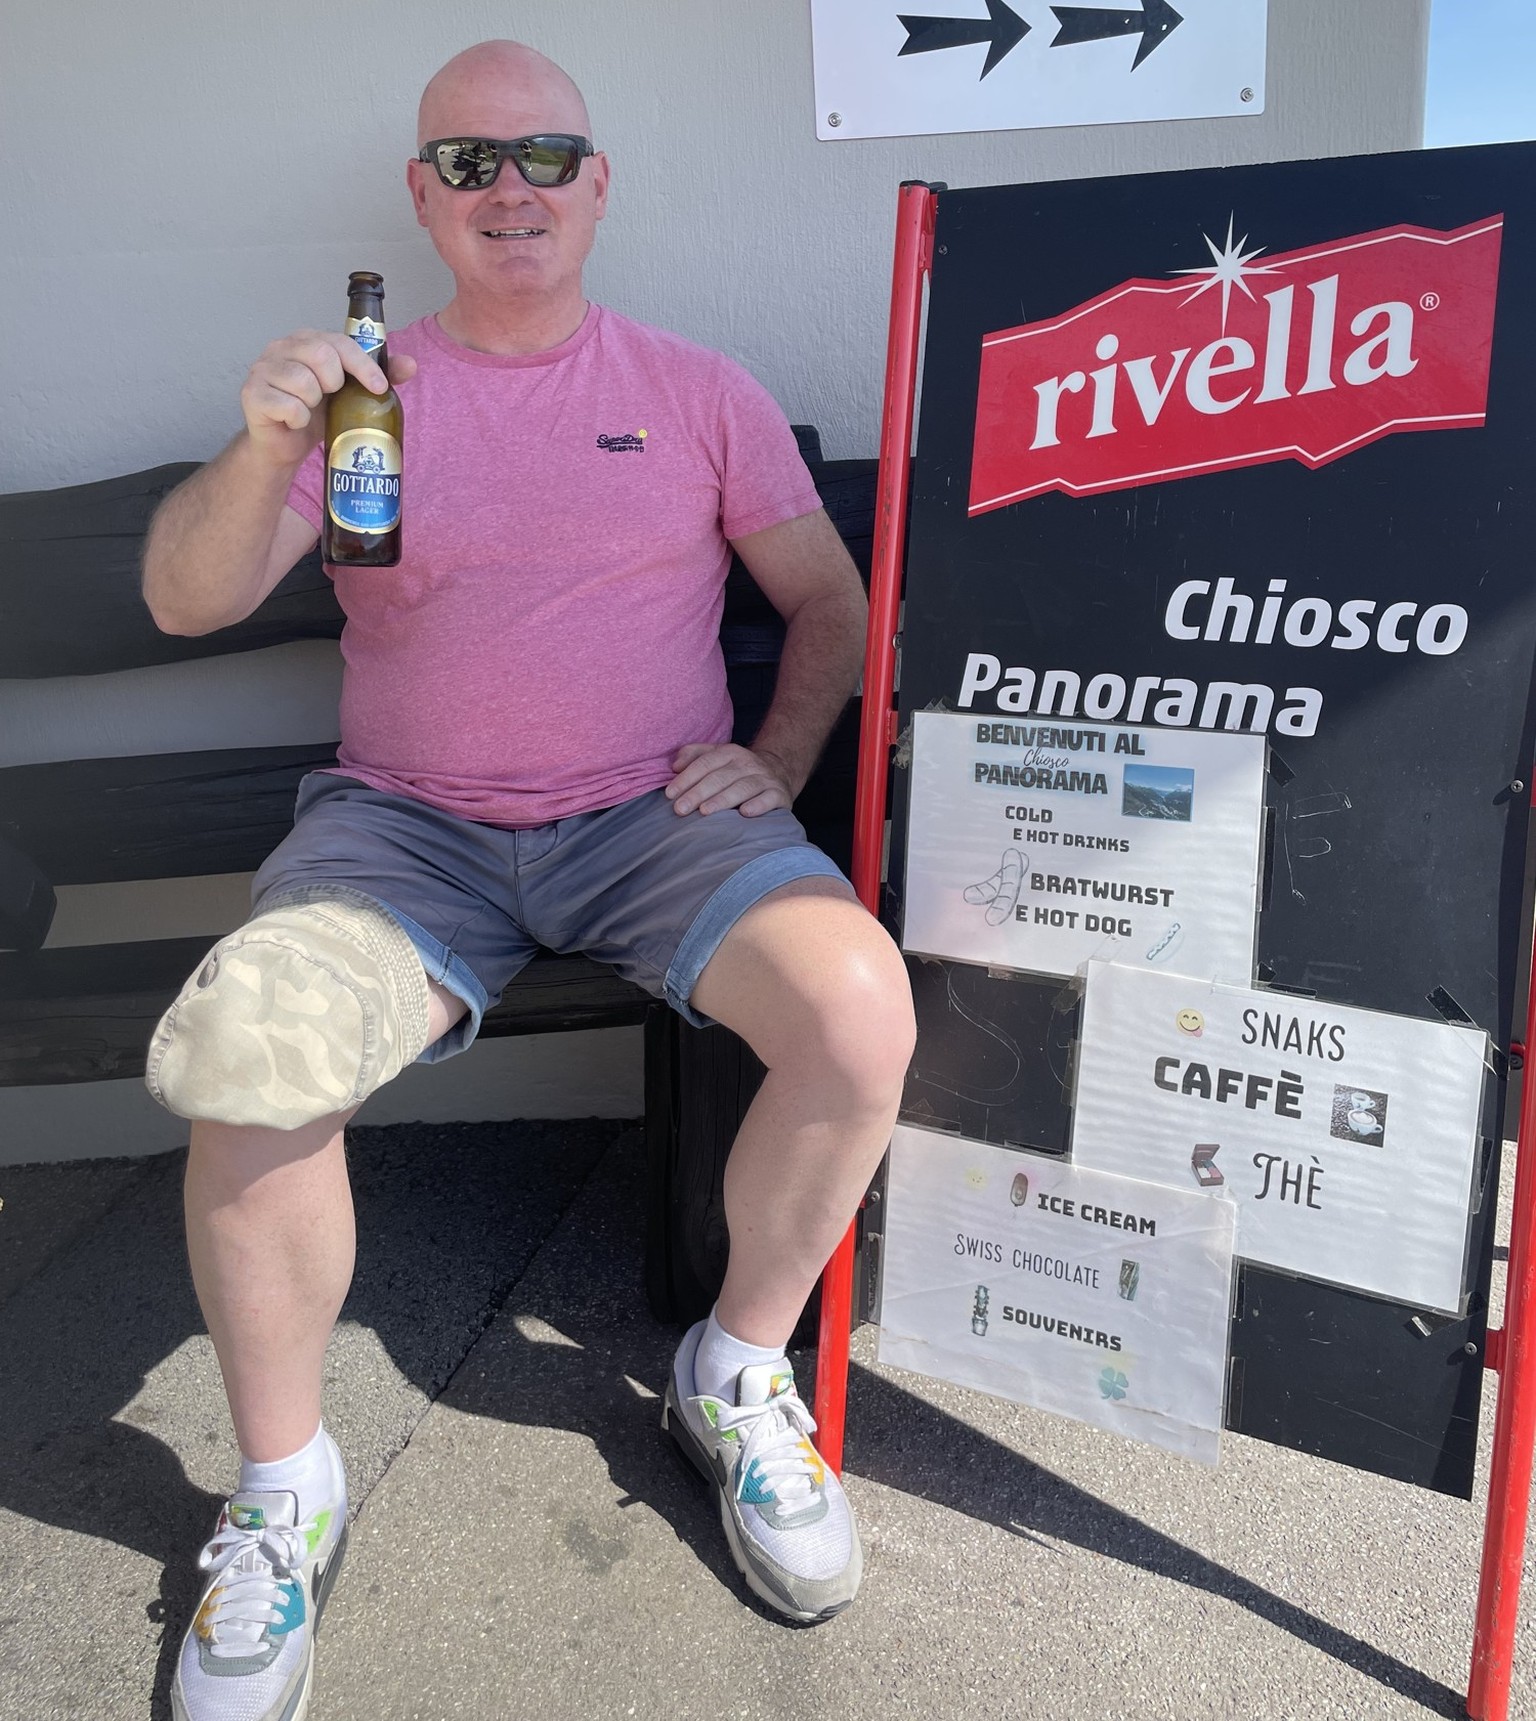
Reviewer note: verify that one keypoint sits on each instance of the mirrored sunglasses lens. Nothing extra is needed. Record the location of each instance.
(466, 163)
(548, 160)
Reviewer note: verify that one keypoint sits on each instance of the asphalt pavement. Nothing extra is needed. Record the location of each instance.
(525, 1542)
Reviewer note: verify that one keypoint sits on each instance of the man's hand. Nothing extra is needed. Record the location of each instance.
(290, 381)
(711, 778)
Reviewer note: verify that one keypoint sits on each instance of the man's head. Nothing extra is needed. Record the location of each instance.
(510, 243)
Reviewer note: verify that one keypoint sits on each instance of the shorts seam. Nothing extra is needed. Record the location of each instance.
(438, 961)
(452, 972)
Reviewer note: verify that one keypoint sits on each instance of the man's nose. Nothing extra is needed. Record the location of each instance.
(511, 187)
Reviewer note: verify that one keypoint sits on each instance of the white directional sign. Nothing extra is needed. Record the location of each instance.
(900, 68)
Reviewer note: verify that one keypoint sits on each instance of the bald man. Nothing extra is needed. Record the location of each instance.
(535, 751)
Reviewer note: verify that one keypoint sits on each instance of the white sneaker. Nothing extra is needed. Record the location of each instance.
(248, 1652)
(786, 1517)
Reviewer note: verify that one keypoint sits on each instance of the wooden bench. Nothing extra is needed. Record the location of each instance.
(69, 590)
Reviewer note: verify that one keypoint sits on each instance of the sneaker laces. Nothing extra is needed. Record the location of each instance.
(253, 1565)
(778, 1442)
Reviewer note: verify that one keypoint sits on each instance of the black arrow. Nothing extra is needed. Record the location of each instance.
(1155, 23)
(1003, 28)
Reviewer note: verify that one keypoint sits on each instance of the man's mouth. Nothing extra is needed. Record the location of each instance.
(511, 232)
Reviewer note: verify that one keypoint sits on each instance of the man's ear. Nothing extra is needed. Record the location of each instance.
(600, 174)
(416, 178)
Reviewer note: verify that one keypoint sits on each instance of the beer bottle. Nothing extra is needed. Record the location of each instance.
(363, 433)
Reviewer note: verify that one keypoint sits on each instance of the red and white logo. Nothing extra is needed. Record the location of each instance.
(1306, 356)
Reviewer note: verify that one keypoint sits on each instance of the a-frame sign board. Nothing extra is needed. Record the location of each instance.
(1245, 453)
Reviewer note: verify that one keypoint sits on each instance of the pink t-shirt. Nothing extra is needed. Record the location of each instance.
(550, 637)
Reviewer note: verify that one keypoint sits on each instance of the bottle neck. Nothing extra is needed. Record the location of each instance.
(365, 324)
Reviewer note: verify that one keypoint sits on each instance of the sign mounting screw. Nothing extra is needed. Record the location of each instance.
(1245, 95)
(834, 119)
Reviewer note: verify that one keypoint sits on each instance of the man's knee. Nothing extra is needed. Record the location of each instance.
(302, 1012)
(864, 1019)
(849, 1016)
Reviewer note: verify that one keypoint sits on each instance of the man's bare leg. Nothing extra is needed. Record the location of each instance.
(271, 1240)
(818, 990)
(820, 993)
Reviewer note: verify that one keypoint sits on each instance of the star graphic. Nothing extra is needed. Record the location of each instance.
(1231, 269)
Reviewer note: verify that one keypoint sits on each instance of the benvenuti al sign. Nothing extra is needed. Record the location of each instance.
(1302, 355)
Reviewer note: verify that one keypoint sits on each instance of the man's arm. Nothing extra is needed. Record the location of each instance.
(223, 539)
(220, 542)
(810, 579)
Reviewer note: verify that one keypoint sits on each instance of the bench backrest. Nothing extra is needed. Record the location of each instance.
(69, 593)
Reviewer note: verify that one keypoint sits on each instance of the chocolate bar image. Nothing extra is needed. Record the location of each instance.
(1202, 1163)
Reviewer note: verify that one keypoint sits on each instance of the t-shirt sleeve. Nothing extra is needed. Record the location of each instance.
(763, 480)
(305, 493)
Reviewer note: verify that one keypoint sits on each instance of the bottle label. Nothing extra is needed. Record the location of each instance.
(368, 334)
(362, 482)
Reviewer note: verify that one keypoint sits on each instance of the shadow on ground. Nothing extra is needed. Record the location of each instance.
(451, 1220)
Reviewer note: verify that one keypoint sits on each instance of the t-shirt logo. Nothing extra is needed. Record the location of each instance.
(631, 442)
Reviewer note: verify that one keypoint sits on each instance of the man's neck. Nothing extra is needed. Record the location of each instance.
(497, 327)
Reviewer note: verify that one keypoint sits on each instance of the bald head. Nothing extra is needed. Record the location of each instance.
(478, 90)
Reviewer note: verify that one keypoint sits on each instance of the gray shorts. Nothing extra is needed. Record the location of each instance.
(636, 886)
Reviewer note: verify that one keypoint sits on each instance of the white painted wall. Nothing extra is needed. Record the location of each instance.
(186, 180)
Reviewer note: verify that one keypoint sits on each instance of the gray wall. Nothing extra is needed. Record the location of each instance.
(185, 181)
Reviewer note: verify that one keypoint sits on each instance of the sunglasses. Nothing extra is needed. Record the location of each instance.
(472, 163)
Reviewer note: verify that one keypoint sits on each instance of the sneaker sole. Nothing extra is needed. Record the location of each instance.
(298, 1704)
(673, 1422)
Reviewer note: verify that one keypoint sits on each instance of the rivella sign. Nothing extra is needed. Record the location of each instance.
(1303, 355)
(1247, 452)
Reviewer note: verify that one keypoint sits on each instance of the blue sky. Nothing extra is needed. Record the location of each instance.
(1482, 72)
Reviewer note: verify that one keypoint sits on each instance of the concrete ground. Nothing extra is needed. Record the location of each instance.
(525, 1544)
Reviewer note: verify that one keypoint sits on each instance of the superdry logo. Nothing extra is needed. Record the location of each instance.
(632, 442)
(1155, 380)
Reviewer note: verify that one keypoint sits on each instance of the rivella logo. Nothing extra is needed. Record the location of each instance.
(1307, 355)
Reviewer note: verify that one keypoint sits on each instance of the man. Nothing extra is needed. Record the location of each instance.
(534, 751)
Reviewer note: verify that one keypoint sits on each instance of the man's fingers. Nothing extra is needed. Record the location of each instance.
(685, 756)
(763, 803)
(692, 764)
(401, 367)
(291, 376)
(702, 790)
(360, 364)
(751, 792)
(266, 404)
(322, 359)
(711, 778)
(329, 358)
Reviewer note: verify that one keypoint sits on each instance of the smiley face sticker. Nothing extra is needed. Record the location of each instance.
(1190, 1022)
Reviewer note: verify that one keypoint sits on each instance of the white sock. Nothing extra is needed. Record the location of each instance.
(313, 1473)
(721, 1358)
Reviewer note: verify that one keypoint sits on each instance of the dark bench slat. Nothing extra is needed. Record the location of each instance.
(85, 1014)
(69, 585)
(180, 815)
(69, 575)
(164, 815)
(556, 993)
